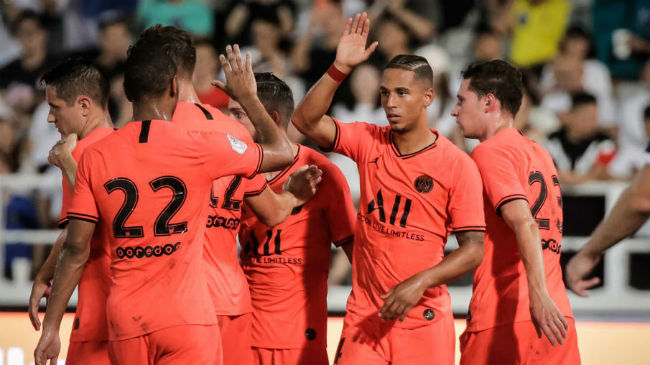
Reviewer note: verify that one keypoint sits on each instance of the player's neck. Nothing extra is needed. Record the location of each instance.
(414, 140)
(153, 110)
(186, 91)
(102, 120)
(494, 128)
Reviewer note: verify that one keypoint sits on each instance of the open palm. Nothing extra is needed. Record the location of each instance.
(351, 49)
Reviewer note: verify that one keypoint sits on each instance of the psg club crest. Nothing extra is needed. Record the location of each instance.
(424, 184)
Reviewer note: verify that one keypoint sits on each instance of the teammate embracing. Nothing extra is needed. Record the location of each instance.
(416, 189)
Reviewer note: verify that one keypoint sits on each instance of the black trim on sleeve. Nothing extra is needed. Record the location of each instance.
(468, 228)
(260, 153)
(144, 131)
(344, 241)
(83, 217)
(208, 115)
(62, 223)
(249, 194)
(337, 139)
(286, 169)
(508, 199)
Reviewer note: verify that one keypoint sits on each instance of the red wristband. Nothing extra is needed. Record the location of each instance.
(336, 74)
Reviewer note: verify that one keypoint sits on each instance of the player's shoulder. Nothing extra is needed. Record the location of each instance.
(370, 129)
(92, 138)
(310, 156)
(453, 154)
(504, 142)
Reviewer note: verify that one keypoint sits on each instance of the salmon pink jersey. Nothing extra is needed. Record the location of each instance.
(146, 187)
(287, 265)
(90, 317)
(226, 280)
(409, 205)
(514, 167)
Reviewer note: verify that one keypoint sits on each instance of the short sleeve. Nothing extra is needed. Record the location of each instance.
(340, 212)
(84, 206)
(255, 185)
(499, 174)
(227, 155)
(354, 139)
(466, 198)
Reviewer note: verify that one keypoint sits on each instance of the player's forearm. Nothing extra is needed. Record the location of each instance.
(273, 208)
(68, 271)
(528, 241)
(315, 104)
(69, 170)
(46, 273)
(630, 212)
(466, 258)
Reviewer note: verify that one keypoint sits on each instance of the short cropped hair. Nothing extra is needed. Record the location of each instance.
(417, 64)
(177, 43)
(275, 94)
(148, 71)
(499, 78)
(581, 98)
(77, 76)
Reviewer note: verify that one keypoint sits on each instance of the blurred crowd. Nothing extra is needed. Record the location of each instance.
(585, 65)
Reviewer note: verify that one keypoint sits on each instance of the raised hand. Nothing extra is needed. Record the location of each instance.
(303, 183)
(240, 79)
(577, 270)
(351, 49)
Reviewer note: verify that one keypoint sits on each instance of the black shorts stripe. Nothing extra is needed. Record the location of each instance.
(144, 131)
(208, 116)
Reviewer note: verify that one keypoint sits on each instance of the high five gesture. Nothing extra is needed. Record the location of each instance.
(352, 50)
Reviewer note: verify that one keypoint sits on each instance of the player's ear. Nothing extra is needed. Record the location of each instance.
(173, 87)
(275, 115)
(84, 103)
(429, 95)
(490, 103)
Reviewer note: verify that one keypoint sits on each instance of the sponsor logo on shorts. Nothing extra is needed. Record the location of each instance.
(147, 251)
(423, 184)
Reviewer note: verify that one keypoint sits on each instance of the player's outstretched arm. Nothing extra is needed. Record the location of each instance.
(546, 317)
(309, 116)
(240, 84)
(272, 209)
(401, 298)
(41, 287)
(69, 267)
(631, 211)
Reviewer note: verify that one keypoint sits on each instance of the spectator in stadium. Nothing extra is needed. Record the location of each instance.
(581, 153)
(418, 16)
(622, 34)
(191, 15)
(632, 136)
(114, 40)
(574, 69)
(34, 59)
(395, 40)
(240, 19)
(205, 71)
(537, 27)
(488, 44)
(266, 52)
(630, 212)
